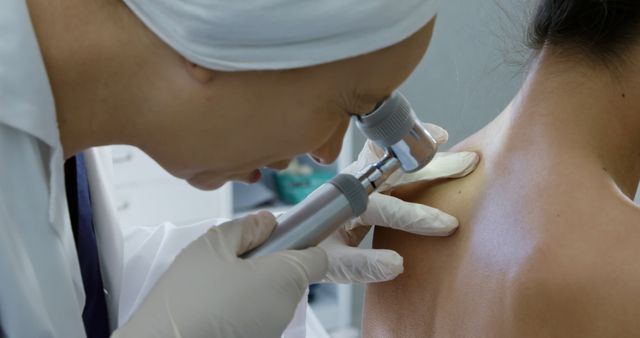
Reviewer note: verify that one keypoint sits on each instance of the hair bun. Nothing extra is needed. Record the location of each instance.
(600, 27)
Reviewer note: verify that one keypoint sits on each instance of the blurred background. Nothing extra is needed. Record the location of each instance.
(474, 66)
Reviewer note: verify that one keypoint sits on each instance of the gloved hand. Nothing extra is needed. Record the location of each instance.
(209, 292)
(349, 264)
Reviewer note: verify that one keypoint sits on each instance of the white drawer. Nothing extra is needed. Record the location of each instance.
(154, 202)
(132, 165)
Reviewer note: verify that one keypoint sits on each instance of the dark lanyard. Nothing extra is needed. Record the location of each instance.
(94, 314)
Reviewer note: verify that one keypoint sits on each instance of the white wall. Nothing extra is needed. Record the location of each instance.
(466, 78)
(474, 65)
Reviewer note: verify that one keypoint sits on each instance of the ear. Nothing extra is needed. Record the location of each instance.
(200, 74)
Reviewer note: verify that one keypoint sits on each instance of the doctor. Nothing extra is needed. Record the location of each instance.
(213, 90)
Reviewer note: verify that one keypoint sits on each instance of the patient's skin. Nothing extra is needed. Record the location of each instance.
(549, 242)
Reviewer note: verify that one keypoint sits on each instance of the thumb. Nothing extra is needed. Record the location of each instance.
(443, 165)
(238, 236)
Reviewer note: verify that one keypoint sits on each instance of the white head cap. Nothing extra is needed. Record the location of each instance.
(234, 35)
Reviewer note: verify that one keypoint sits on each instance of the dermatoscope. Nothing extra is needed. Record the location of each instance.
(393, 126)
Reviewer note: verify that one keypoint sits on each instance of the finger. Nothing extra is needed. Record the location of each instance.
(443, 165)
(353, 265)
(236, 237)
(438, 133)
(303, 266)
(347, 235)
(374, 152)
(391, 212)
(370, 153)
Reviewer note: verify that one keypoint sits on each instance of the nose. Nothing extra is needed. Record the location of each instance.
(329, 151)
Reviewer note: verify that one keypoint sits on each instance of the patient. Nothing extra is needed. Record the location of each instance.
(549, 242)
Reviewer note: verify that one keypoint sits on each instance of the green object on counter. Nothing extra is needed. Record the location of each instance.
(293, 188)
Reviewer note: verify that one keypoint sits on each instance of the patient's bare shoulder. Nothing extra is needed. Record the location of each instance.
(554, 257)
(585, 284)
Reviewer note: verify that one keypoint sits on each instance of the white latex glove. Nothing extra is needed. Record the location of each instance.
(348, 263)
(209, 292)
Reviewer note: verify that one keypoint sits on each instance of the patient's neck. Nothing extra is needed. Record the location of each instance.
(585, 113)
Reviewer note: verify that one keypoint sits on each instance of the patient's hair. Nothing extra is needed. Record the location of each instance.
(601, 30)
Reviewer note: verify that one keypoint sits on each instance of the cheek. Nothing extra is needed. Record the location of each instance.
(329, 151)
(258, 130)
(323, 133)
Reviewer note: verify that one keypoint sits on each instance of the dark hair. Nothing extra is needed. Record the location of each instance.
(602, 30)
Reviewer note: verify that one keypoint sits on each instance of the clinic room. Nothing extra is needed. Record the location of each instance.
(319, 169)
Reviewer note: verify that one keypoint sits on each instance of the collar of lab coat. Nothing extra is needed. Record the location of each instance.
(26, 98)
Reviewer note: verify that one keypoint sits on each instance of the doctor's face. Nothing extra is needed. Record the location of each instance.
(226, 125)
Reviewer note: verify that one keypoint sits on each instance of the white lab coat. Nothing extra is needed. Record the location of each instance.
(41, 290)
(133, 261)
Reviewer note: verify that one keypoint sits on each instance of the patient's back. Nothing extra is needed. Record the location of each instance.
(546, 247)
